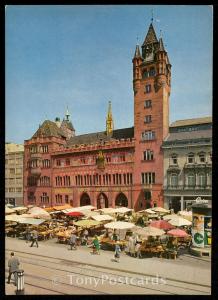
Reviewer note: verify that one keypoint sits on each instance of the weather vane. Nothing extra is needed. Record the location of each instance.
(137, 39)
(152, 16)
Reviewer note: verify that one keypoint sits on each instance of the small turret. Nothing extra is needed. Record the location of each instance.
(137, 60)
(137, 52)
(67, 125)
(58, 122)
(161, 45)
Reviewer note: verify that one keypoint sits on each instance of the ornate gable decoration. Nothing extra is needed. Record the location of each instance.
(100, 160)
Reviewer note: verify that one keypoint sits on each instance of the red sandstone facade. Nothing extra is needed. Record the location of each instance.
(111, 168)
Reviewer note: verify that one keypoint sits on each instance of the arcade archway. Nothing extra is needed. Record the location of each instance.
(102, 201)
(121, 200)
(85, 200)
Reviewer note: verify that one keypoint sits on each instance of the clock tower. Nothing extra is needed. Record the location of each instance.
(151, 86)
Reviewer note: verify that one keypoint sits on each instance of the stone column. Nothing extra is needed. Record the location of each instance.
(182, 202)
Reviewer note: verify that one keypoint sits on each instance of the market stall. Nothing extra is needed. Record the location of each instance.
(150, 243)
(119, 227)
(38, 212)
(9, 210)
(179, 221)
(161, 224)
(160, 210)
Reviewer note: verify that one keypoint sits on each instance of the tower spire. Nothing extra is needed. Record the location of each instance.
(67, 115)
(151, 36)
(109, 120)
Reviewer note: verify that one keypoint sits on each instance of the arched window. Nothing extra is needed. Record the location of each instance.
(191, 179)
(102, 201)
(202, 179)
(174, 180)
(191, 158)
(121, 200)
(145, 73)
(209, 183)
(152, 71)
(85, 200)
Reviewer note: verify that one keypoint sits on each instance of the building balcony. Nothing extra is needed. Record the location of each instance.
(173, 187)
(36, 155)
(173, 168)
(203, 187)
(189, 165)
(36, 171)
(189, 187)
(200, 165)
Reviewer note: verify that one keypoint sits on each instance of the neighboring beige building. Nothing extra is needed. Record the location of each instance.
(188, 163)
(14, 173)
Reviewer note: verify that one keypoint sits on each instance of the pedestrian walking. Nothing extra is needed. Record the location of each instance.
(117, 252)
(131, 246)
(34, 238)
(138, 250)
(96, 245)
(72, 241)
(13, 265)
(28, 235)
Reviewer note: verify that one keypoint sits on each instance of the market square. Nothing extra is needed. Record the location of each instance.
(124, 207)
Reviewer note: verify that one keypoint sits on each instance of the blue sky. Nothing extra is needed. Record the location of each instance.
(81, 56)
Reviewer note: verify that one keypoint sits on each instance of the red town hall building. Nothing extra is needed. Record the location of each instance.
(122, 167)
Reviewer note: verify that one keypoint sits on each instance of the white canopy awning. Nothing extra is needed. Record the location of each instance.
(20, 208)
(24, 220)
(122, 210)
(148, 211)
(79, 208)
(107, 210)
(12, 217)
(160, 210)
(31, 221)
(9, 210)
(102, 218)
(148, 231)
(119, 225)
(170, 217)
(179, 221)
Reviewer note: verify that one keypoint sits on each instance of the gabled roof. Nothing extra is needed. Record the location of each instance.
(49, 128)
(189, 135)
(195, 121)
(151, 36)
(96, 137)
(68, 124)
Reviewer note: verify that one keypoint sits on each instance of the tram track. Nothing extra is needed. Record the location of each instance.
(82, 269)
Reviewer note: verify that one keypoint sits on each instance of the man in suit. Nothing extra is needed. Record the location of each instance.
(35, 238)
(13, 265)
